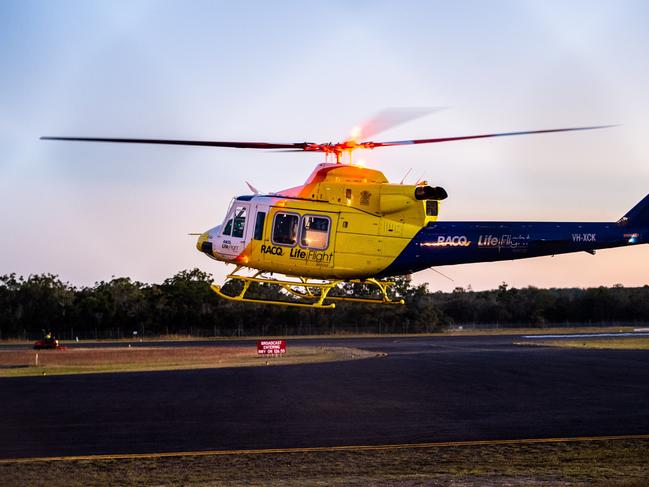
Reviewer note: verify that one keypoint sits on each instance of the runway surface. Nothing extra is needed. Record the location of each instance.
(428, 389)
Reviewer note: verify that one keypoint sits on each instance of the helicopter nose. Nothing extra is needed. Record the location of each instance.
(203, 244)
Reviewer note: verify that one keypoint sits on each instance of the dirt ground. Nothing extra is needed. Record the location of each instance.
(15, 363)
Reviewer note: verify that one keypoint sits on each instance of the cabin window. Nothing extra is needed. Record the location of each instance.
(432, 207)
(285, 228)
(239, 223)
(315, 232)
(228, 228)
(259, 225)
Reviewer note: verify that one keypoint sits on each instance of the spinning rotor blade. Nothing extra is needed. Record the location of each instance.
(328, 148)
(389, 118)
(371, 145)
(203, 143)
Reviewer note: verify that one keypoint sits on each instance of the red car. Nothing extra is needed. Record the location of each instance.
(47, 344)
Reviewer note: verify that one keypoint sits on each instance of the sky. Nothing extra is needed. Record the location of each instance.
(310, 71)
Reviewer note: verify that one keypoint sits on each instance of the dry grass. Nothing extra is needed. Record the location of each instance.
(631, 343)
(14, 363)
(549, 331)
(597, 464)
(468, 331)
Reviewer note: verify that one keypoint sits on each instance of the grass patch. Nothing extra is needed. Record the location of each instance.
(620, 463)
(631, 343)
(22, 363)
(467, 331)
(537, 330)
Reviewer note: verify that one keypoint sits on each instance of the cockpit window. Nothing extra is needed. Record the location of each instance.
(259, 225)
(315, 232)
(235, 224)
(285, 228)
(239, 223)
(227, 230)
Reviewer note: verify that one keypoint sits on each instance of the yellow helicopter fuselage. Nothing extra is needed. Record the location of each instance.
(345, 222)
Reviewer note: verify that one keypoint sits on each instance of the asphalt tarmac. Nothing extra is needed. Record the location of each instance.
(427, 389)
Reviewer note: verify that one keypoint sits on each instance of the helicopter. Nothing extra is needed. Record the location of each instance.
(347, 224)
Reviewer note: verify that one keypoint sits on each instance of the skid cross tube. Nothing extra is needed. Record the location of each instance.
(310, 294)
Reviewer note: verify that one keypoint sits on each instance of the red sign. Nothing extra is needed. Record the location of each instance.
(271, 347)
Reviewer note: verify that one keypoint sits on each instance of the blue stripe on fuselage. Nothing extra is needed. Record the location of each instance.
(448, 243)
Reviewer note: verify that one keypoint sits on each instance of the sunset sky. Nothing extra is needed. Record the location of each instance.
(310, 71)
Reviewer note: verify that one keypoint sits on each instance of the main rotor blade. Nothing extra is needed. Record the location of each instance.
(329, 148)
(482, 136)
(203, 143)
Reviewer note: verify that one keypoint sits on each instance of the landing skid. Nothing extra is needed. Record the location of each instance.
(309, 293)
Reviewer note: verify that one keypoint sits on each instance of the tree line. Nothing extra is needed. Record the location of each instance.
(185, 304)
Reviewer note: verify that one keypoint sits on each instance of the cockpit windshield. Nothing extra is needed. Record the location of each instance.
(227, 230)
(239, 223)
(236, 222)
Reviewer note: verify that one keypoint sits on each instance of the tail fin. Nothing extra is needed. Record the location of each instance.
(638, 216)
